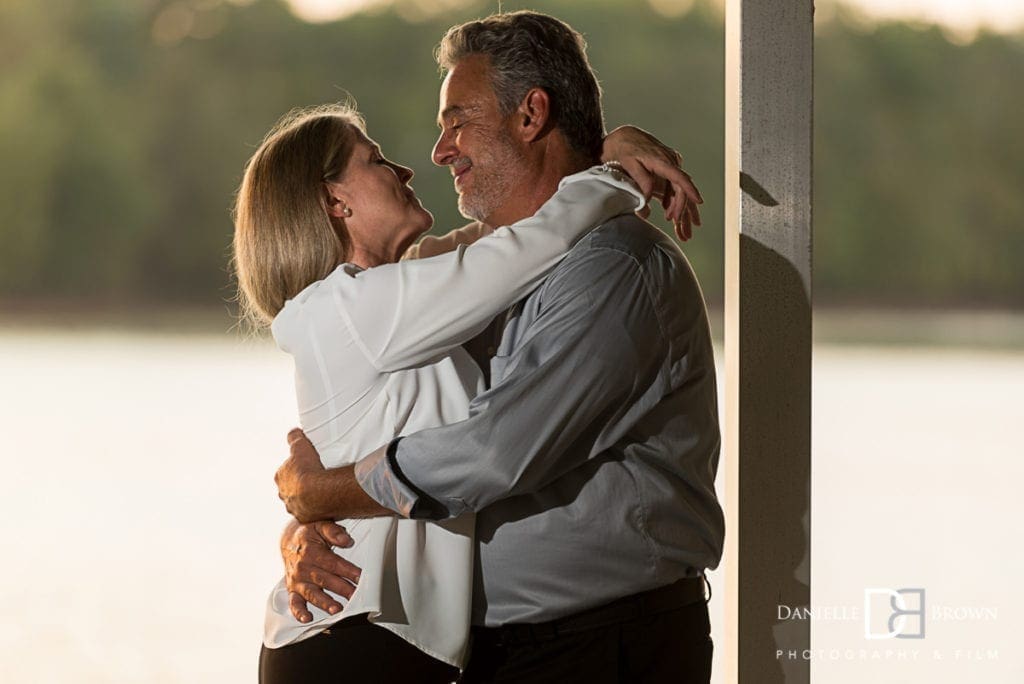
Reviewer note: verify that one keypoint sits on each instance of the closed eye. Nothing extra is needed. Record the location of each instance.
(450, 128)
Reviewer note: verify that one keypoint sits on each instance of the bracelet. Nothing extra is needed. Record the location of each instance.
(613, 166)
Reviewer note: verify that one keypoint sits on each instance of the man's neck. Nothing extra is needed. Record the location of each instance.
(545, 171)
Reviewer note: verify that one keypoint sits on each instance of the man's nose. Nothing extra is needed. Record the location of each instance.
(445, 151)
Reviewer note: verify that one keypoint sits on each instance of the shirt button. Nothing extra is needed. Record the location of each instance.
(491, 350)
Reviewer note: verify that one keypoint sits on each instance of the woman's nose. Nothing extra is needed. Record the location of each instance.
(404, 173)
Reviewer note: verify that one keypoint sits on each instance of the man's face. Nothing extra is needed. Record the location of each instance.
(476, 143)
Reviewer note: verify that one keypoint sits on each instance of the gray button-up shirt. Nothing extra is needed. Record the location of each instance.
(591, 461)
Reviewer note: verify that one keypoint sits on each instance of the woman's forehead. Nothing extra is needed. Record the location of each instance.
(363, 140)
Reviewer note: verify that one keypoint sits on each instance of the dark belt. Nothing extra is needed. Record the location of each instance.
(677, 595)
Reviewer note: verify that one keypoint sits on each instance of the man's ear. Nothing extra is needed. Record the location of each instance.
(533, 117)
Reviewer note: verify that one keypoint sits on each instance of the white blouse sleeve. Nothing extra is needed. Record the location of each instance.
(432, 245)
(409, 312)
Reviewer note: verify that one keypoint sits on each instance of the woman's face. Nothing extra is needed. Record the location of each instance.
(386, 216)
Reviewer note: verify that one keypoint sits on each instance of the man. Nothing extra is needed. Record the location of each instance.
(590, 462)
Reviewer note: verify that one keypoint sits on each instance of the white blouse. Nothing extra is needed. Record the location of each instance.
(377, 355)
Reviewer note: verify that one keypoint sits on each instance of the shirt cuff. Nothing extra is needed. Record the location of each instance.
(383, 481)
(375, 474)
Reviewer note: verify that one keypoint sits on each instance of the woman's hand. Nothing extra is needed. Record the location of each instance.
(657, 169)
(310, 567)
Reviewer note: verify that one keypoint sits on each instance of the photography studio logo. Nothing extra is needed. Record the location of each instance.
(894, 613)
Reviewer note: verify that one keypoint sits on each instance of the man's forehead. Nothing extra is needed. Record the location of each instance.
(467, 88)
(453, 111)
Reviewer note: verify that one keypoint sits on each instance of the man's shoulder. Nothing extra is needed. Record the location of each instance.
(628, 244)
(625, 236)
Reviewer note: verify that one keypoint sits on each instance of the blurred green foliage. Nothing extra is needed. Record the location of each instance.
(125, 125)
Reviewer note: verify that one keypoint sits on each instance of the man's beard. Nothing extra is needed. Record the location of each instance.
(495, 173)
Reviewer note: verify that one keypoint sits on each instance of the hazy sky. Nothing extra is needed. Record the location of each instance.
(997, 14)
(962, 15)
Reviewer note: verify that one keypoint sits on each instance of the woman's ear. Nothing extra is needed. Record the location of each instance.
(533, 115)
(336, 206)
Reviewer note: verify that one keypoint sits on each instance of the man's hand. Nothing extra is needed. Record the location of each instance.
(657, 169)
(299, 480)
(310, 567)
(310, 492)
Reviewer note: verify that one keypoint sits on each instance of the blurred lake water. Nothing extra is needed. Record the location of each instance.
(140, 518)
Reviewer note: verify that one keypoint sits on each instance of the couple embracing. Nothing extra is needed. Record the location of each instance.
(509, 438)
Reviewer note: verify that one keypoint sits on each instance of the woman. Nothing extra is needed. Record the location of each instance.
(321, 220)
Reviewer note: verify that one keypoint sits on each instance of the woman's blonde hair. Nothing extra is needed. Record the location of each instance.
(284, 238)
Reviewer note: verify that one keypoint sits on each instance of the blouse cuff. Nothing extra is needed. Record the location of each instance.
(610, 174)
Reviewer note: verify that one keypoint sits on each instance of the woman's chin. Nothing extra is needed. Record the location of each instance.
(428, 221)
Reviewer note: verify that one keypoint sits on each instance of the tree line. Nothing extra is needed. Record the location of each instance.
(125, 127)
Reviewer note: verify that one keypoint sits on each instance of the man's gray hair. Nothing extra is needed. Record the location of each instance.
(532, 50)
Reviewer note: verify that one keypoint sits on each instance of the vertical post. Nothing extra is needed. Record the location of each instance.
(768, 155)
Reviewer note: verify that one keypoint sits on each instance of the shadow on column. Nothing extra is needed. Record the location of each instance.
(775, 466)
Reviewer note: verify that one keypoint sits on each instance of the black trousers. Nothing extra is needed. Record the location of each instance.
(670, 647)
(353, 650)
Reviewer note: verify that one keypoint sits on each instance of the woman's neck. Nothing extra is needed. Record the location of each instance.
(364, 258)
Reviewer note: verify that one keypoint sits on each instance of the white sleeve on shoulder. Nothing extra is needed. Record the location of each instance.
(409, 312)
(432, 245)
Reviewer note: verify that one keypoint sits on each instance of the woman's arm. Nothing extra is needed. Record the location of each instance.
(657, 169)
(432, 245)
(405, 314)
(654, 166)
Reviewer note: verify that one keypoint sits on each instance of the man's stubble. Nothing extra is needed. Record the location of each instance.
(498, 170)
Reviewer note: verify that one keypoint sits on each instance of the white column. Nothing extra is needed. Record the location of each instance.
(769, 67)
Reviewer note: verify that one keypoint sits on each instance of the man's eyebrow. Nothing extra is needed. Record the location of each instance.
(454, 110)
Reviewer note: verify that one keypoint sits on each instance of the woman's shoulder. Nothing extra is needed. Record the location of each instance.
(301, 310)
(338, 278)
